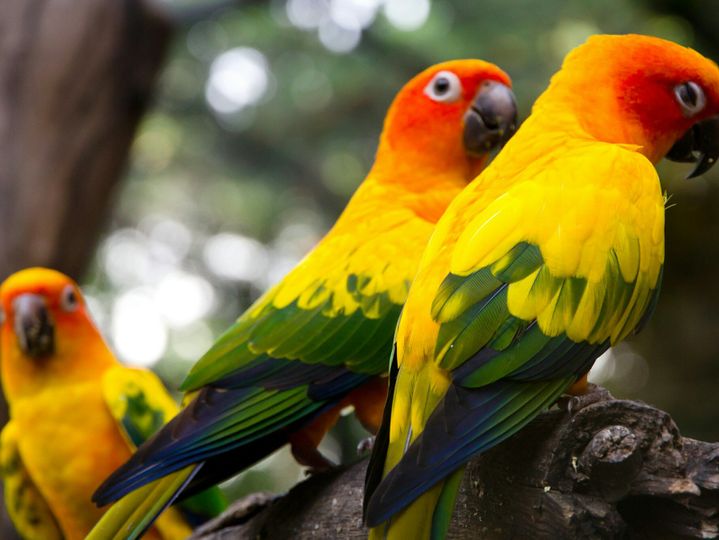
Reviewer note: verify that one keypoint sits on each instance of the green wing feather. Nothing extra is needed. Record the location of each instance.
(475, 315)
(141, 405)
(505, 369)
(338, 307)
(312, 335)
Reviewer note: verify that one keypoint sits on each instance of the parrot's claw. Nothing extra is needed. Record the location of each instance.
(593, 394)
(313, 459)
(365, 446)
(320, 467)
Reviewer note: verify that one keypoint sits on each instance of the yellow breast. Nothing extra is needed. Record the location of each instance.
(69, 444)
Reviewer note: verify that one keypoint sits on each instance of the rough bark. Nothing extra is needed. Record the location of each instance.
(593, 468)
(75, 77)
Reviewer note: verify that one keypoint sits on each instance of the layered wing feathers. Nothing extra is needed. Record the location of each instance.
(139, 402)
(338, 307)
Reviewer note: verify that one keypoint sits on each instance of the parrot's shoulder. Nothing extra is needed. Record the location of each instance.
(365, 260)
(575, 209)
(605, 170)
(138, 401)
(576, 250)
(29, 511)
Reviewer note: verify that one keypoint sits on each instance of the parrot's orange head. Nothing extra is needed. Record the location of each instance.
(44, 328)
(653, 93)
(34, 301)
(451, 114)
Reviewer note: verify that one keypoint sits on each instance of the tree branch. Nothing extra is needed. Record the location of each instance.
(595, 467)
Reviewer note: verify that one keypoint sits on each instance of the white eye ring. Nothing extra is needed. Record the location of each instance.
(444, 87)
(68, 299)
(691, 98)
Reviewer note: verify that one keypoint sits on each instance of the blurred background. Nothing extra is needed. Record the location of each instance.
(264, 121)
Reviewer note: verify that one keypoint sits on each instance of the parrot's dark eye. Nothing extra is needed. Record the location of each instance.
(690, 97)
(444, 87)
(68, 298)
(441, 86)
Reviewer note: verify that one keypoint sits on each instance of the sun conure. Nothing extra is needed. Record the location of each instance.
(319, 340)
(76, 413)
(550, 256)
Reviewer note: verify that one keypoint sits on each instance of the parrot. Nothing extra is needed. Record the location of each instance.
(554, 253)
(75, 412)
(319, 341)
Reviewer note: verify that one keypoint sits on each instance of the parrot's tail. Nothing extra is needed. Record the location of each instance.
(130, 517)
(427, 518)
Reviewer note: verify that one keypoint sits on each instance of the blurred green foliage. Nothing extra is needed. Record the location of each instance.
(245, 162)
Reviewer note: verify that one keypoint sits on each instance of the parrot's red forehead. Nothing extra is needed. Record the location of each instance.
(42, 281)
(634, 53)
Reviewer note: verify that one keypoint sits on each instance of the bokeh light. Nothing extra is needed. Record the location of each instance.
(233, 256)
(138, 332)
(183, 298)
(339, 23)
(238, 78)
(622, 368)
(192, 341)
(407, 14)
(340, 37)
(306, 14)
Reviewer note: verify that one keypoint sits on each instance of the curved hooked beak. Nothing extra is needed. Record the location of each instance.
(491, 120)
(699, 145)
(34, 327)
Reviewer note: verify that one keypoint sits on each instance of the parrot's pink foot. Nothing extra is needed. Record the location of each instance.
(365, 446)
(575, 403)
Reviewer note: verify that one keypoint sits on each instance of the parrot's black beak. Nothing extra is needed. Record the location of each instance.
(491, 120)
(34, 327)
(699, 145)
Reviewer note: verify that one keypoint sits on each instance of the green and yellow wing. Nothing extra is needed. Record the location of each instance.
(140, 403)
(338, 307)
